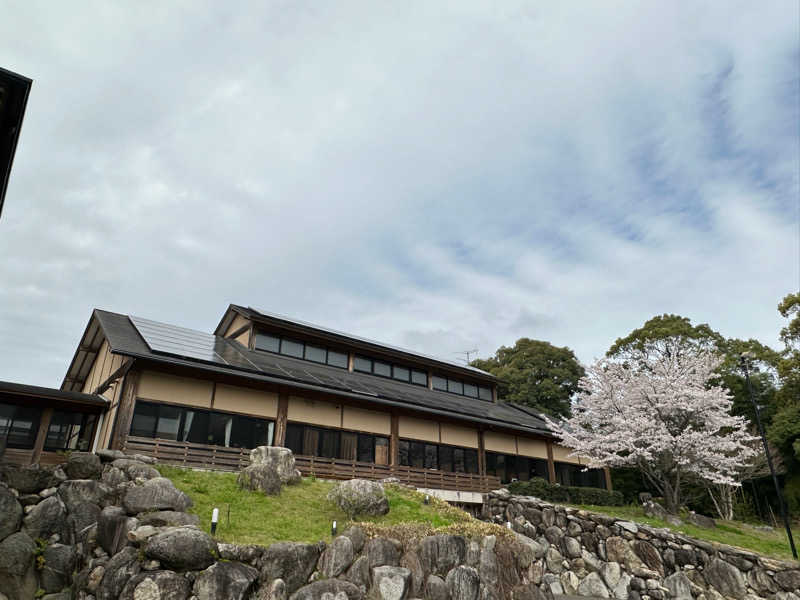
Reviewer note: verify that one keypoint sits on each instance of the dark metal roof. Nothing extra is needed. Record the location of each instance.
(361, 343)
(232, 358)
(14, 90)
(21, 389)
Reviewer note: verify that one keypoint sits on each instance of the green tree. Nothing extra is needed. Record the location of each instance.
(536, 374)
(784, 431)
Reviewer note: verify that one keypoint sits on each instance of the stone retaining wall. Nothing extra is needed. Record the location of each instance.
(577, 552)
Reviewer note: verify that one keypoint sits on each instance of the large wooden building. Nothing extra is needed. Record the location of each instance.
(346, 406)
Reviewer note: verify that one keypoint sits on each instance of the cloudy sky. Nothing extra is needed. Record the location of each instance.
(441, 176)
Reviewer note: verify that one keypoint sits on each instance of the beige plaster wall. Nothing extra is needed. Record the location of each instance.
(499, 442)
(456, 435)
(418, 429)
(560, 454)
(316, 412)
(366, 420)
(246, 400)
(177, 390)
(532, 447)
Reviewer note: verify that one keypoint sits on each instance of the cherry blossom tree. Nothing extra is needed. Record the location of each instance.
(659, 412)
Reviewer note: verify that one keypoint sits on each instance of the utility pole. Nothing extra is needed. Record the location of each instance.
(743, 360)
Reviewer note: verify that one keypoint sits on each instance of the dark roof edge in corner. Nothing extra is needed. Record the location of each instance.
(12, 105)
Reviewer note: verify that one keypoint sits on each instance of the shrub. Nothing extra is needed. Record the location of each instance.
(563, 493)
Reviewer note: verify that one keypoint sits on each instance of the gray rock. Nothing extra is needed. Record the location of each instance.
(611, 573)
(111, 529)
(463, 583)
(17, 573)
(28, 479)
(701, 520)
(572, 547)
(28, 499)
(592, 585)
(789, 580)
(156, 585)
(358, 574)
(167, 518)
(337, 557)
(655, 510)
(436, 589)
(148, 460)
(47, 518)
(591, 562)
(59, 562)
(488, 569)
(67, 595)
(119, 569)
(622, 590)
(225, 581)
(360, 497)
(725, 578)
(679, 586)
(135, 469)
(382, 551)
(274, 591)
(336, 588)
(357, 536)
(618, 550)
(761, 582)
(155, 494)
(649, 556)
(674, 520)
(281, 459)
(390, 583)
(553, 534)
(182, 548)
(262, 478)
(10, 513)
(554, 560)
(552, 585)
(107, 456)
(628, 526)
(112, 476)
(249, 554)
(291, 561)
(141, 533)
(438, 554)
(527, 592)
(569, 582)
(83, 465)
(75, 492)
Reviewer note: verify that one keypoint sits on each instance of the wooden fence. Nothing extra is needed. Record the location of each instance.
(201, 456)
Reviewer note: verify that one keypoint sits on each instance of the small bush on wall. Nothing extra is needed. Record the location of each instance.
(562, 493)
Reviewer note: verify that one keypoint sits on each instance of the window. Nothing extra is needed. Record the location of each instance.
(438, 456)
(366, 448)
(70, 431)
(348, 449)
(485, 393)
(439, 383)
(382, 369)
(381, 450)
(292, 348)
(337, 359)
(431, 456)
(294, 438)
(401, 373)
(362, 364)
(307, 440)
(315, 354)
(455, 387)
(329, 443)
(19, 425)
(267, 342)
(509, 466)
(200, 426)
(419, 378)
(470, 390)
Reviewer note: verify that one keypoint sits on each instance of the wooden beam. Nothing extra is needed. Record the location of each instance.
(281, 421)
(551, 465)
(124, 414)
(239, 332)
(481, 453)
(394, 440)
(41, 435)
(121, 372)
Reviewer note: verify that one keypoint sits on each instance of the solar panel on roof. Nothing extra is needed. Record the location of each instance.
(169, 339)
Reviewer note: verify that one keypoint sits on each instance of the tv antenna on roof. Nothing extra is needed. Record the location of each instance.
(466, 353)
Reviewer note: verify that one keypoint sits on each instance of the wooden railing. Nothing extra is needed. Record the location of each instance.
(201, 456)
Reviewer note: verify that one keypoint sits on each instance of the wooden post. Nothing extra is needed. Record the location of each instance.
(607, 473)
(551, 465)
(481, 454)
(124, 414)
(394, 441)
(41, 435)
(281, 421)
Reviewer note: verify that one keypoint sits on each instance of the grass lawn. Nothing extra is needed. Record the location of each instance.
(734, 533)
(300, 513)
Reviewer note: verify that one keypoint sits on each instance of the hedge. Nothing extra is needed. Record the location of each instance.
(564, 493)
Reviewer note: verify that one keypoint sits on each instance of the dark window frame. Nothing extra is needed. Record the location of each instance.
(281, 339)
(407, 445)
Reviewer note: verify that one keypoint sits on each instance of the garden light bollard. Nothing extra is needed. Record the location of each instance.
(333, 529)
(214, 520)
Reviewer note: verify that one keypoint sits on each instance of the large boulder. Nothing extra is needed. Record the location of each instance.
(75, 492)
(47, 518)
(225, 581)
(59, 563)
(337, 557)
(155, 494)
(17, 572)
(390, 583)
(168, 518)
(10, 512)
(701, 520)
(438, 554)
(291, 561)
(112, 530)
(463, 583)
(119, 569)
(270, 468)
(135, 469)
(382, 551)
(83, 465)
(182, 548)
(328, 588)
(156, 585)
(360, 497)
(592, 585)
(107, 456)
(725, 578)
(29, 479)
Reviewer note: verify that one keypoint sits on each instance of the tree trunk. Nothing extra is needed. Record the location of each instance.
(671, 498)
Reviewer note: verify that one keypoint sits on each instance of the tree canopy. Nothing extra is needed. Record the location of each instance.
(536, 374)
(784, 431)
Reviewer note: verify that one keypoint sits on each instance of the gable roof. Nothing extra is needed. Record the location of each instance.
(181, 347)
(346, 339)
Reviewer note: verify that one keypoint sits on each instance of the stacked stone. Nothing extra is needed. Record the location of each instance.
(570, 551)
